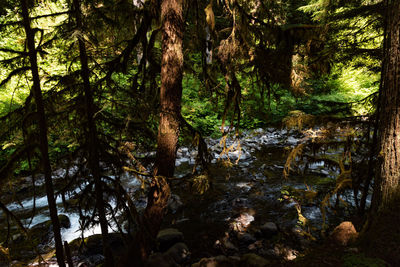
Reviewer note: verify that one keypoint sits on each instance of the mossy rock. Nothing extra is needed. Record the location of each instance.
(41, 235)
(166, 238)
(93, 244)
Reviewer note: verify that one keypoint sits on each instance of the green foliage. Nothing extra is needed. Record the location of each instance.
(197, 109)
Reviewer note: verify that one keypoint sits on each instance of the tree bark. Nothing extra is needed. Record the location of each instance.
(30, 38)
(93, 139)
(382, 233)
(171, 86)
(387, 186)
(170, 101)
(168, 132)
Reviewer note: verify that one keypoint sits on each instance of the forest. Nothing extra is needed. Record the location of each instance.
(199, 133)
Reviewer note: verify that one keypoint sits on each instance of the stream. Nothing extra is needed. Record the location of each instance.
(246, 190)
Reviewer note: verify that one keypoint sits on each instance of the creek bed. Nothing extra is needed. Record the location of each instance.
(253, 186)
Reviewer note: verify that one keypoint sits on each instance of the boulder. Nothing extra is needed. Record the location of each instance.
(179, 253)
(93, 245)
(269, 229)
(344, 234)
(64, 221)
(168, 237)
(246, 238)
(43, 232)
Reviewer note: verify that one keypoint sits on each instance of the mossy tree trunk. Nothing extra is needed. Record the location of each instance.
(383, 231)
(388, 183)
(41, 116)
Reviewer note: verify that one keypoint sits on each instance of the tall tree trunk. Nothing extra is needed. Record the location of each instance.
(30, 38)
(171, 86)
(168, 132)
(93, 139)
(387, 186)
(170, 100)
(383, 229)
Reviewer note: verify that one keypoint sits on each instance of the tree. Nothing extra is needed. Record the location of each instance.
(383, 231)
(168, 131)
(171, 86)
(92, 138)
(30, 39)
(170, 101)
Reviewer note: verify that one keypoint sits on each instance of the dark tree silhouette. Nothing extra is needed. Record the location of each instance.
(30, 39)
(92, 138)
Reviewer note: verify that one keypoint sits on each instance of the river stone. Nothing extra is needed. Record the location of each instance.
(253, 260)
(269, 229)
(228, 244)
(178, 252)
(174, 203)
(246, 238)
(43, 232)
(218, 261)
(64, 221)
(93, 245)
(344, 234)
(166, 238)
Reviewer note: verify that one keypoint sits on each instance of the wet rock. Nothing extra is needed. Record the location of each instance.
(282, 252)
(64, 221)
(256, 245)
(166, 238)
(174, 203)
(235, 155)
(344, 234)
(253, 260)
(183, 150)
(95, 260)
(244, 186)
(179, 253)
(240, 202)
(246, 238)
(229, 245)
(225, 244)
(291, 140)
(290, 254)
(42, 233)
(218, 261)
(242, 222)
(245, 164)
(269, 229)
